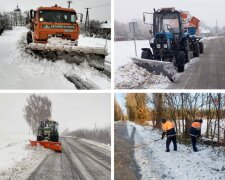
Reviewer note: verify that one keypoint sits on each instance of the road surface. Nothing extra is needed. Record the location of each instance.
(208, 72)
(125, 165)
(79, 160)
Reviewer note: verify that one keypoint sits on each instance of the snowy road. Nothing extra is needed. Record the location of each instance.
(125, 165)
(19, 70)
(208, 72)
(79, 160)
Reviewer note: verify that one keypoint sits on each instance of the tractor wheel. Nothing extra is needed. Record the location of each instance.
(196, 49)
(29, 37)
(180, 61)
(187, 57)
(201, 47)
(146, 53)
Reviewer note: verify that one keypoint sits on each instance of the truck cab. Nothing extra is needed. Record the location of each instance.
(55, 21)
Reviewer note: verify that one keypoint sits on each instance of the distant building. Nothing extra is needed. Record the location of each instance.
(17, 16)
(206, 32)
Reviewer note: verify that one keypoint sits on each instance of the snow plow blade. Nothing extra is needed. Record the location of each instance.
(55, 146)
(95, 56)
(157, 67)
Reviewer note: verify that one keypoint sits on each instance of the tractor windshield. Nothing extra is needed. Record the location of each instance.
(57, 16)
(167, 23)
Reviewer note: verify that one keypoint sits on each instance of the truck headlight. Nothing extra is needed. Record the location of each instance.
(165, 45)
(158, 45)
(41, 19)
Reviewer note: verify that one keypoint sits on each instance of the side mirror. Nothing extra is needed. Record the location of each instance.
(150, 32)
(80, 17)
(32, 13)
(144, 18)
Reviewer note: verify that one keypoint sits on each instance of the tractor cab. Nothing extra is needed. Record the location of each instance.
(48, 131)
(167, 21)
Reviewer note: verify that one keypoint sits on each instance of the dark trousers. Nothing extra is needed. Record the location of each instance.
(168, 141)
(193, 140)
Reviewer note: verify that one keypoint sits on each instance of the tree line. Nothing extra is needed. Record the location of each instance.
(181, 108)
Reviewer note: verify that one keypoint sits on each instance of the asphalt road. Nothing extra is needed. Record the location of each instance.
(208, 72)
(125, 166)
(79, 160)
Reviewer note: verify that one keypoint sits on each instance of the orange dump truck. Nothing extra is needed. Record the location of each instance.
(54, 33)
(55, 21)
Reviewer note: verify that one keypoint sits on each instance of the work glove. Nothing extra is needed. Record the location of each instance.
(163, 135)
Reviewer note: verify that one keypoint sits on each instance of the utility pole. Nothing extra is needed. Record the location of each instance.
(69, 2)
(87, 20)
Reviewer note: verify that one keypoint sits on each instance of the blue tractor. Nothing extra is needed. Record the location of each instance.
(172, 43)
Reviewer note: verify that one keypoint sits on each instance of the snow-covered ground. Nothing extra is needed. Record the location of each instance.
(17, 157)
(102, 145)
(155, 163)
(19, 70)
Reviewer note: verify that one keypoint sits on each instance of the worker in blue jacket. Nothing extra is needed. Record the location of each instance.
(169, 131)
(195, 131)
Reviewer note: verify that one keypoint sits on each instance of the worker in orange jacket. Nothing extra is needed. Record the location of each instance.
(169, 131)
(195, 131)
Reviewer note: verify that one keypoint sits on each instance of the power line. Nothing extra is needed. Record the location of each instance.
(100, 5)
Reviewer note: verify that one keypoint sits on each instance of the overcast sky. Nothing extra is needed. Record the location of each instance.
(72, 111)
(100, 9)
(206, 10)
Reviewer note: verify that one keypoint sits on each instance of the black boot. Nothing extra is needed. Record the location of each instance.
(167, 150)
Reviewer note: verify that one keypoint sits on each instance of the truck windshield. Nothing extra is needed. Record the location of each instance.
(57, 16)
(167, 23)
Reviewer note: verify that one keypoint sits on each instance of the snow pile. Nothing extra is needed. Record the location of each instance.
(12, 148)
(101, 145)
(20, 70)
(22, 169)
(18, 157)
(57, 40)
(155, 163)
(131, 76)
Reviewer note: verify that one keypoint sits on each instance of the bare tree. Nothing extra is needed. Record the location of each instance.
(38, 108)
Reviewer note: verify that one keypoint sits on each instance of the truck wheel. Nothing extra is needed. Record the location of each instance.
(146, 53)
(180, 61)
(29, 37)
(196, 49)
(201, 47)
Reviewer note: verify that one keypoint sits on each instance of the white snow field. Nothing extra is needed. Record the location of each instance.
(18, 158)
(130, 76)
(19, 70)
(155, 163)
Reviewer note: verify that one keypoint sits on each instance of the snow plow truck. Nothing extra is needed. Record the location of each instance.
(54, 33)
(48, 136)
(175, 38)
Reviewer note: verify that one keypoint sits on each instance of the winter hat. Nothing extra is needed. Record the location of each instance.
(163, 120)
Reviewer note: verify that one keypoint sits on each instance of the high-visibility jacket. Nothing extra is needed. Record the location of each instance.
(195, 129)
(168, 128)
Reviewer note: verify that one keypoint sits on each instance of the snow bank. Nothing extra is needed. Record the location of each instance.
(57, 40)
(20, 70)
(101, 145)
(155, 163)
(18, 158)
(12, 148)
(131, 76)
(22, 169)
